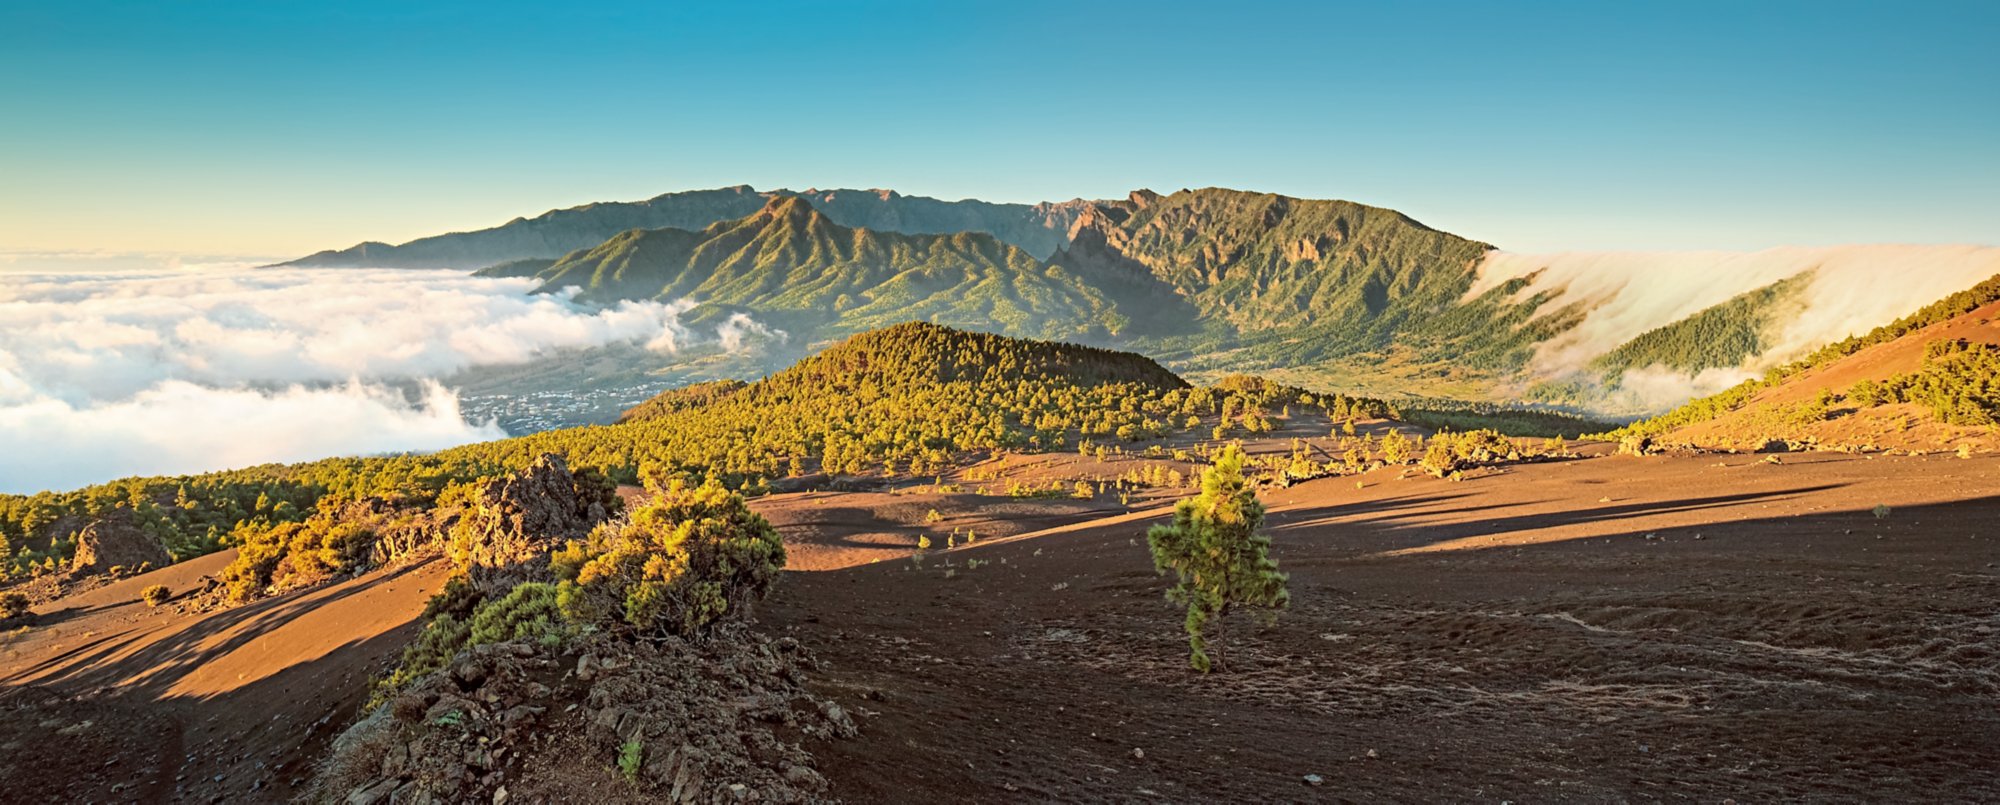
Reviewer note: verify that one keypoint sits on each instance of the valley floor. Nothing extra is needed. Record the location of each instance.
(1606, 628)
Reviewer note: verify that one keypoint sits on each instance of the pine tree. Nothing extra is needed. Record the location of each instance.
(1214, 549)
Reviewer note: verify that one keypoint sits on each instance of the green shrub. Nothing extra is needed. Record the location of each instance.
(1216, 553)
(13, 605)
(681, 561)
(156, 595)
(257, 558)
(529, 611)
(440, 640)
(631, 757)
(458, 598)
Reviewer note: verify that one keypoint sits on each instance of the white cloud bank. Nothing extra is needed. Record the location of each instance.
(1854, 289)
(109, 374)
(179, 427)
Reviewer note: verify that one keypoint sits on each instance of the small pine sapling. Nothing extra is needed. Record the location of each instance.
(1217, 555)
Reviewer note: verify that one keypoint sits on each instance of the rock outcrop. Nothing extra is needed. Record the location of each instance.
(117, 540)
(714, 720)
(513, 522)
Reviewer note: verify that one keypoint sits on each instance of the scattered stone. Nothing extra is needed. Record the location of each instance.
(721, 719)
(1315, 780)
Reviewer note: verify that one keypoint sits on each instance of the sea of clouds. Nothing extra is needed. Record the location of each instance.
(144, 368)
(1853, 290)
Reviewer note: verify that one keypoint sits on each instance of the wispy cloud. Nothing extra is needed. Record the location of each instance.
(1853, 289)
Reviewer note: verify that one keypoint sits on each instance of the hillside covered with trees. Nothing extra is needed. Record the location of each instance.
(1328, 294)
(1940, 357)
(912, 399)
(791, 266)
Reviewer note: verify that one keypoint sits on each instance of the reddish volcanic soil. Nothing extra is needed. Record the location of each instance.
(1681, 627)
(1611, 628)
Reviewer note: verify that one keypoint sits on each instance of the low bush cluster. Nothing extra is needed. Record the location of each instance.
(688, 558)
(1959, 382)
(13, 605)
(1447, 452)
(156, 595)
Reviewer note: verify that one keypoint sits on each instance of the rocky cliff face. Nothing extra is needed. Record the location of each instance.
(1261, 261)
(1038, 229)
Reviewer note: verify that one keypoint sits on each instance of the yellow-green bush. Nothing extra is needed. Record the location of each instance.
(1959, 382)
(681, 561)
(435, 645)
(156, 595)
(529, 611)
(13, 605)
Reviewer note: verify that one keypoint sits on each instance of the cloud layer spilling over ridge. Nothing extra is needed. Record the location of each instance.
(1853, 289)
(109, 374)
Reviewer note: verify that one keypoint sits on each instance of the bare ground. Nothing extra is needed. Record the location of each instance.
(1690, 627)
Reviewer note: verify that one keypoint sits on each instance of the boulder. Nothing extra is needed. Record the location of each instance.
(117, 540)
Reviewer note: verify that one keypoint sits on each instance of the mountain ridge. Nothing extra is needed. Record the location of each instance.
(790, 262)
(1331, 294)
(554, 233)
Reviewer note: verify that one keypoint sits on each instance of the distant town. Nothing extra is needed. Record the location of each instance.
(533, 412)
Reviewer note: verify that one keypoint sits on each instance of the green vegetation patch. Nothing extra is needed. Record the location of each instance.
(1722, 336)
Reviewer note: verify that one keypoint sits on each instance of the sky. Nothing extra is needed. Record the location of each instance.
(277, 129)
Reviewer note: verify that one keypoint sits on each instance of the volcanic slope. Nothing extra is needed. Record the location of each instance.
(1929, 381)
(1608, 627)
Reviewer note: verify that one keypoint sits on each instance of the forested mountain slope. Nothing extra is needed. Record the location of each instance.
(790, 265)
(1328, 294)
(908, 398)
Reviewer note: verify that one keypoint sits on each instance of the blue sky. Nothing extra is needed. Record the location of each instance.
(280, 128)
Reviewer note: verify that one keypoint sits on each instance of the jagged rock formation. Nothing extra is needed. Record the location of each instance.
(1262, 261)
(117, 540)
(1037, 228)
(513, 522)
